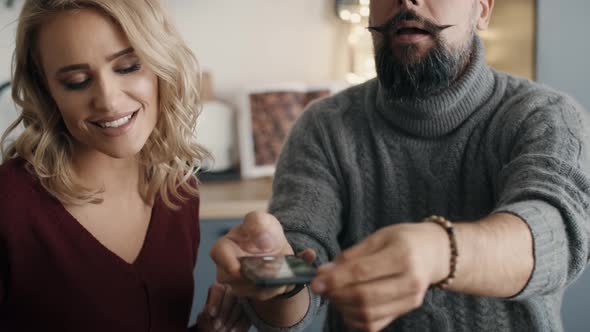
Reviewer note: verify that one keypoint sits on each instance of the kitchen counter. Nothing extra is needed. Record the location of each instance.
(234, 199)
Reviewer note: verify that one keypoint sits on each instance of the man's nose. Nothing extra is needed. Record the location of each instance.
(106, 96)
(408, 4)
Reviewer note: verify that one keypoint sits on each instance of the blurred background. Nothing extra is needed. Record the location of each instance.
(293, 46)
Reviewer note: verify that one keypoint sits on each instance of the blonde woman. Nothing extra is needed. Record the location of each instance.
(98, 197)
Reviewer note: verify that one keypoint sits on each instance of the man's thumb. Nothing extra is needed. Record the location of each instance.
(258, 235)
(264, 242)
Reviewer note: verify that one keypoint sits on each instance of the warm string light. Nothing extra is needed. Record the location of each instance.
(355, 13)
(362, 64)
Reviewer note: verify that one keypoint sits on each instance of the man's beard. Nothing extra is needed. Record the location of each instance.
(410, 74)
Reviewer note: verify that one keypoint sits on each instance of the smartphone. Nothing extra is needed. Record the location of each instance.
(271, 271)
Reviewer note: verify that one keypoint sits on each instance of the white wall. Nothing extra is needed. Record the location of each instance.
(244, 42)
(8, 18)
(8, 111)
(263, 41)
(241, 43)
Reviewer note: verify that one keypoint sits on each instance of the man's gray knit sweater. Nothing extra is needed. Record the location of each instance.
(356, 162)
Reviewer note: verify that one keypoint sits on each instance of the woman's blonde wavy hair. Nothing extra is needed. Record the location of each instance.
(170, 156)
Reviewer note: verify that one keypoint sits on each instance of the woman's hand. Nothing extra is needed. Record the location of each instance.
(222, 312)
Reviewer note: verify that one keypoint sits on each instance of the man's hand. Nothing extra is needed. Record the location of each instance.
(259, 234)
(386, 275)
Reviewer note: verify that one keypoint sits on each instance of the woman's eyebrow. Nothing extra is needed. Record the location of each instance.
(86, 66)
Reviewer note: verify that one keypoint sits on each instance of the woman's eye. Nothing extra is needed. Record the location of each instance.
(76, 85)
(129, 69)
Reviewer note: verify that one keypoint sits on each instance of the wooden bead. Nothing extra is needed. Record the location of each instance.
(448, 226)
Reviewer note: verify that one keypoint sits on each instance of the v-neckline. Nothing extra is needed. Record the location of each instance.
(96, 242)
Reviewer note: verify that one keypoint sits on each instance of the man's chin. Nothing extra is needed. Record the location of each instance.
(408, 59)
(410, 54)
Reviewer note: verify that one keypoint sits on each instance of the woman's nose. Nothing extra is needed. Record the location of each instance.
(106, 96)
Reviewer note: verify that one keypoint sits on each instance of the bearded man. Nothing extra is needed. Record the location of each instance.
(442, 196)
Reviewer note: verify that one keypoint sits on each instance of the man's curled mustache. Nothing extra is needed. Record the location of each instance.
(392, 25)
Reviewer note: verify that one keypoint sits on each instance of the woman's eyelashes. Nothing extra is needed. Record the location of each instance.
(79, 84)
(129, 69)
(76, 85)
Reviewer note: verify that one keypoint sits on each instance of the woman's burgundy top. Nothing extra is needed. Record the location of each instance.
(55, 276)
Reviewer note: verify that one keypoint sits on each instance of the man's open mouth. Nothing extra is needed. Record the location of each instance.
(411, 31)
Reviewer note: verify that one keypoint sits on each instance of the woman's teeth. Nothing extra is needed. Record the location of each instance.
(116, 123)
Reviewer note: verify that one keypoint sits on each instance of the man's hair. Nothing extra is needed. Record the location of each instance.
(170, 156)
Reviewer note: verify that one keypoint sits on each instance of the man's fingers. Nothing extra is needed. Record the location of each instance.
(225, 254)
(374, 326)
(359, 270)
(368, 246)
(371, 306)
(367, 316)
(378, 292)
(376, 317)
(308, 254)
(246, 288)
(259, 233)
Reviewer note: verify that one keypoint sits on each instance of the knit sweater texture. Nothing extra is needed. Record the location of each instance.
(358, 161)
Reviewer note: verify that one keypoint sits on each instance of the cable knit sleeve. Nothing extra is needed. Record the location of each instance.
(307, 199)
(544, 178)
(307, 189)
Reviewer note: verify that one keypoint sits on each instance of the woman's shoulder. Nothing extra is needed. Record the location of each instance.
(11, 170)
(16, 182)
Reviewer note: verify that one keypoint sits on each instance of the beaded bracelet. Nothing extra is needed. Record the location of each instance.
(448, 226)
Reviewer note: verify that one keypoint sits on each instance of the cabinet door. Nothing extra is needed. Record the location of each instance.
(205, 271)
(560, 25)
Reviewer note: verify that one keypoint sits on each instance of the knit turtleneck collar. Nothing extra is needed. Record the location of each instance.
(440, 114)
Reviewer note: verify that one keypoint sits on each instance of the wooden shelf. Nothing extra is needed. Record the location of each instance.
(234, 199)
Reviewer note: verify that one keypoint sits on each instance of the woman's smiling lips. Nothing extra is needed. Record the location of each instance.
(116, 125)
